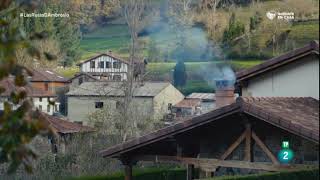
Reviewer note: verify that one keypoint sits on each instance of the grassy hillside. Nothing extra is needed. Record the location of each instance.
(116, 38)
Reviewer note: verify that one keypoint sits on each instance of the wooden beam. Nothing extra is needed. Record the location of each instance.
(190, 168)
(206, 163)
(247, 149)
(233, 146)
(265, 148)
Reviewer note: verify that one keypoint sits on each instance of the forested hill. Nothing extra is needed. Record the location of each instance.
(189, 30)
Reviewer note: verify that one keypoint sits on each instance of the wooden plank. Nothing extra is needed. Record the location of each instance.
(247, 149)
(265, 148)
(212, 163)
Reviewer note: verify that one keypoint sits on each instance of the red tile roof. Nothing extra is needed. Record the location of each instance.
(294, 55)
(46, 75)
(187, 103)
(10, 87)
(299, 116)
(65, 126)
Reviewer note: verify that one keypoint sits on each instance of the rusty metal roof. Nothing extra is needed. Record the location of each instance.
(294, 55)
(187, 103)
(202, 96)
(299, 116)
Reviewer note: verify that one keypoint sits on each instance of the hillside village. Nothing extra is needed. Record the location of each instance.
(280, 96)
(159, 89)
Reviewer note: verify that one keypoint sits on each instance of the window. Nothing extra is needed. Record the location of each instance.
(80, 80)
(46, 86)
(79, 122)
(101, 65)
(116, 77)
(119, 105)
(108, 65)
(99, 105)
(48, 108)
(92, 64)
(40, 107)
(56, 108)
(40, 99)
(116, 65)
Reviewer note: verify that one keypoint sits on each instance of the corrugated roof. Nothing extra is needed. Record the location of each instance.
(299, 116)
(147, 89)
(202, 96)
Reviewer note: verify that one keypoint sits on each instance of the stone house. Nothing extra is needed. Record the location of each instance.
(80, 78)
(149, 99)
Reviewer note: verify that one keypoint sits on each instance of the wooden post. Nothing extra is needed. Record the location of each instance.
(247, 149)
(127, 162)
(128, 172)
(190, 168)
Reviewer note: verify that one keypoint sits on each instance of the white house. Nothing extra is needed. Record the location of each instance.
(105, 66)
(45, 101)
(294, 74)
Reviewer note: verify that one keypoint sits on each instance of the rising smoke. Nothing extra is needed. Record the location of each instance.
(177, 40)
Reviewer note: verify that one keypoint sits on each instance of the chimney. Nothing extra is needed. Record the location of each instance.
(224, 92)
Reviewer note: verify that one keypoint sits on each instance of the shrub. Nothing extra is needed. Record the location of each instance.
(146, 174)
(312, 174)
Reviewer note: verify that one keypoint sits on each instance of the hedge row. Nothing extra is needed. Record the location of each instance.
(180, 174)
(312, 174)
(146, 174)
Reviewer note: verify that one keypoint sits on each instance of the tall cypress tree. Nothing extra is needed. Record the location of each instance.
(179, 74)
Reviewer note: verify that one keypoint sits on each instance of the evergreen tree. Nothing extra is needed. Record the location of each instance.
(234, 30)
(179, 74)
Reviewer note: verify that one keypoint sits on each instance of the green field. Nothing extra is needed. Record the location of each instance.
(110, 37)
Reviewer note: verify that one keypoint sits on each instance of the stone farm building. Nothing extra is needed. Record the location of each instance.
(149, 98)
(243, 136)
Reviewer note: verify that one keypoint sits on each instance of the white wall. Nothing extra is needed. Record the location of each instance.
(36, 103)
(44, 103)
(298, 79)
(85, 67)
